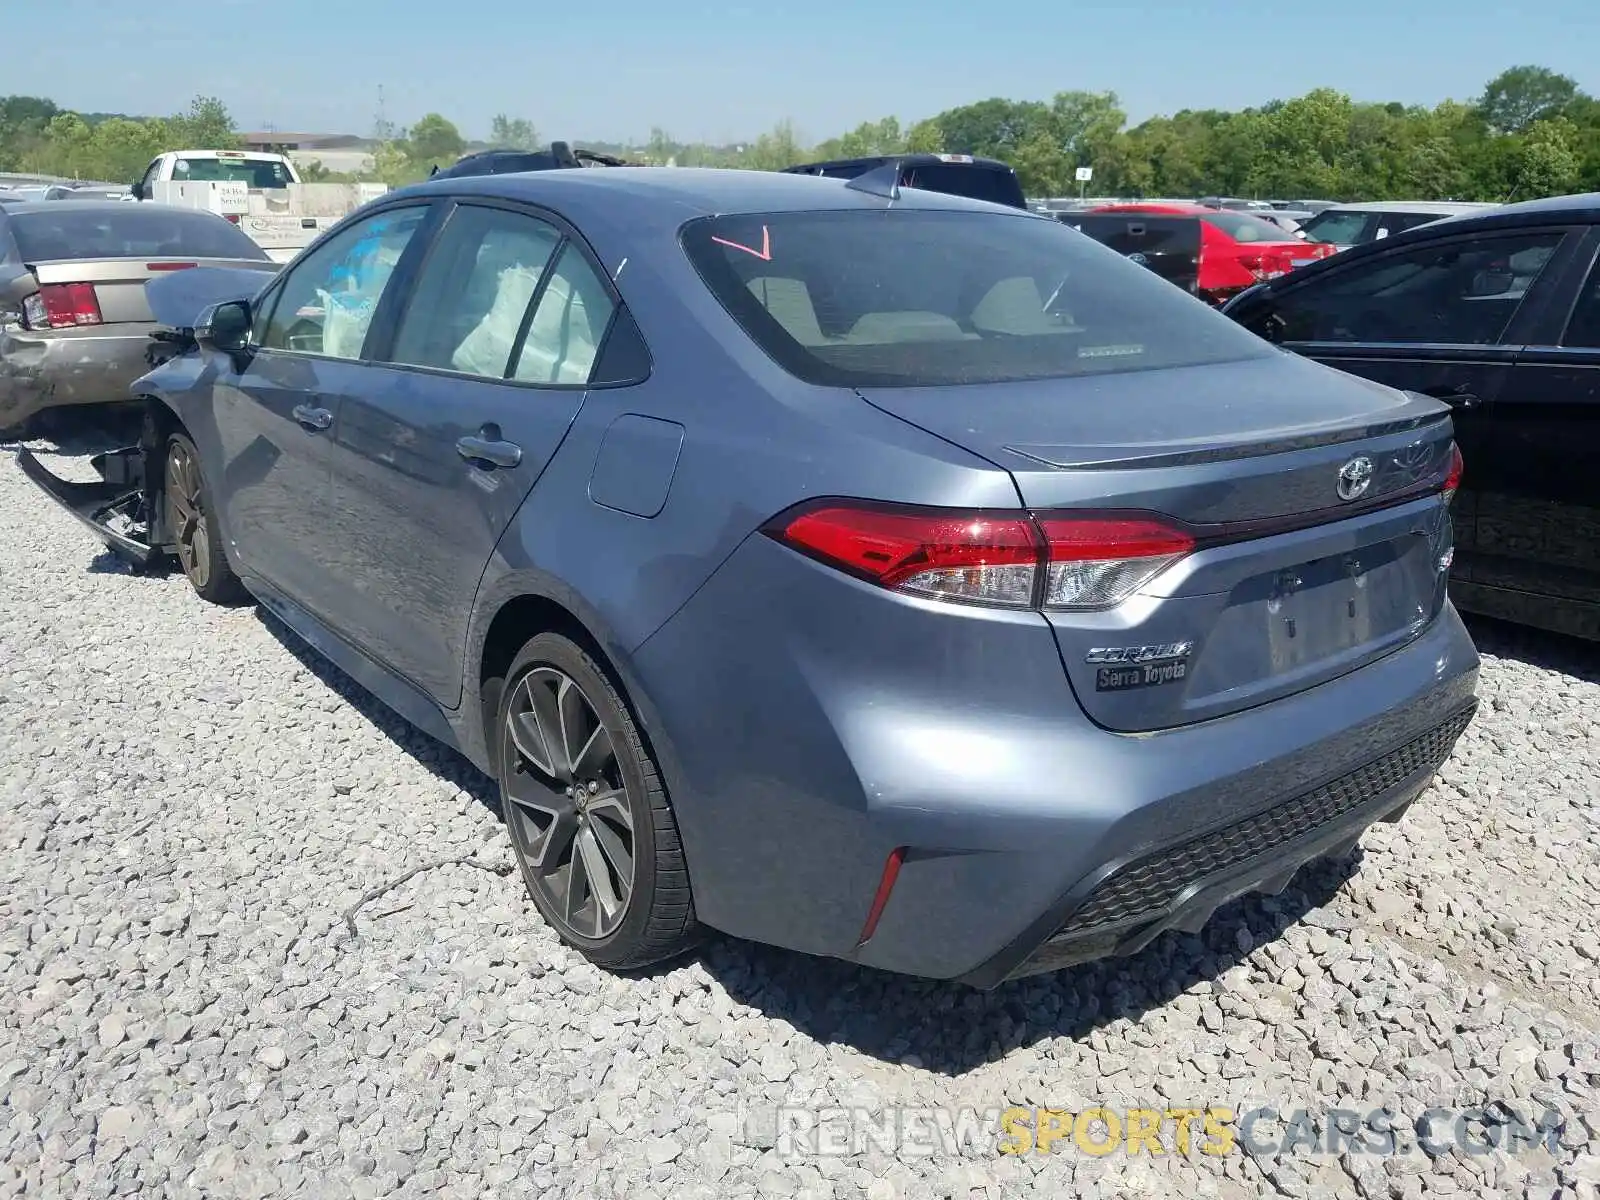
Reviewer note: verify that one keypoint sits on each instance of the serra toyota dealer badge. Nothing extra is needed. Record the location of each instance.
(1118, 668)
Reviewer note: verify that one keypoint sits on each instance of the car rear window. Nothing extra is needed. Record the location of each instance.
(256, 172)
(974, 182)
(902, 297)
(1243, 227)
(1341, 228)
(132, 230)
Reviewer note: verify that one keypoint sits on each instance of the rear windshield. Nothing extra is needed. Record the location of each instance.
(1242, 227)
(256, 172)
(72, 231)
(1342, 228)
(907, 297)
(976, 183)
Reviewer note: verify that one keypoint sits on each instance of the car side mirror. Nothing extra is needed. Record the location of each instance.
(136, 188)
(226, 327)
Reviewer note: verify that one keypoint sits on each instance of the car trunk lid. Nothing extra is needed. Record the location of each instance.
(119, 283)
(1320, 538)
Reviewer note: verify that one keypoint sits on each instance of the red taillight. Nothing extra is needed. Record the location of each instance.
(1458, 468)
(231, 218)
(1010, 559)
(1096, 562)
(1263, 266)
(170, 266)
(67, 305)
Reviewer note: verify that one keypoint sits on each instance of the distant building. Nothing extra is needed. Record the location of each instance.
(342, 152)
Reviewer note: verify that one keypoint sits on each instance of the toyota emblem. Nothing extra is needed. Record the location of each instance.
(1355, 477)
(1136, 257)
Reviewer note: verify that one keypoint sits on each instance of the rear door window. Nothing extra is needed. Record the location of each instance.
(905, 297)
(1583, 327)
(469, 305)
(1455, 293)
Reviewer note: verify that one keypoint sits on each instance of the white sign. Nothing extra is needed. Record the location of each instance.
(1084, 174)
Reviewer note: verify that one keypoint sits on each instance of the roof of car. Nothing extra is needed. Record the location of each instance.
(1176, 208)
(1583, 208)
(689, 191)
(90, 206)
(1414, 206)
(1583, 204)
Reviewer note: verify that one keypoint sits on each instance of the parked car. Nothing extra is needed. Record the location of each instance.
(915, 581)
(1238, 249)
(1497, 314)
(1343, 225)
(1168, 245)
(74, 319)
(506, 162)
(1287, 219)
(953, 174)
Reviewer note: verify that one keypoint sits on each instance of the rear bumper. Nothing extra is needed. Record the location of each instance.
(58, 368)
(114, 508)
(810, 726)
(1124, 907)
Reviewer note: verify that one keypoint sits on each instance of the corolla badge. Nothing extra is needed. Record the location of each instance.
(1355, 477)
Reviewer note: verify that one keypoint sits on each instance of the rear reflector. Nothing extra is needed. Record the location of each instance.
(67, 305)
(891, 872)
(1005, 559)
(1458, 468)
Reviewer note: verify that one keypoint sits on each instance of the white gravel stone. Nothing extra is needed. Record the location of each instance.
(189, 800)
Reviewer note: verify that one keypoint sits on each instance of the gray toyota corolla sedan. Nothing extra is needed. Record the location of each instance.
(877, 573)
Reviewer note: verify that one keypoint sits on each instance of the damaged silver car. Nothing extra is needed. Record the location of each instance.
(74, 320)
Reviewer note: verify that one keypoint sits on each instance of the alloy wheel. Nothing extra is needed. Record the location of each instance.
(186, 516)
(568, 805)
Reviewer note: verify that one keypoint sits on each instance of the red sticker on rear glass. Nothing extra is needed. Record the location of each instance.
(764, 254)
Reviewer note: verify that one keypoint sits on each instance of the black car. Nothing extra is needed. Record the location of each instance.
(560, 156)
(1497, 314)
(1168, 245)
(954, 174)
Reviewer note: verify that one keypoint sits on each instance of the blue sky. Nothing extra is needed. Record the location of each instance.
(725, 70)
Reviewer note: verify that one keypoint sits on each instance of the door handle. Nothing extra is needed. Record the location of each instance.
(313, 418)
(1455, 397)
(490, 451)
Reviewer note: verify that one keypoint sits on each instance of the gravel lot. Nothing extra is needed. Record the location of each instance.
(190, 803)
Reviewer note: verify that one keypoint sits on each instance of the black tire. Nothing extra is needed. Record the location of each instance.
(192, 524)
(656, 920)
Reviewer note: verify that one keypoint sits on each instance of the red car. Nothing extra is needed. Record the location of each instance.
(1237, 249)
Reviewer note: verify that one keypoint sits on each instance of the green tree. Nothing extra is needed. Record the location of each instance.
(434, 140)
(1516, 98)
(509, 133)
(206, 125)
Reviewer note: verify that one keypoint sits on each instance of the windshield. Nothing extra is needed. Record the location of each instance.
(72, 231)
(907, 297)
(256, 172)
(1342, 228)
(1242, 227)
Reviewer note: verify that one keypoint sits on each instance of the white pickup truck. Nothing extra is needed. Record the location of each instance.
(259, 192)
